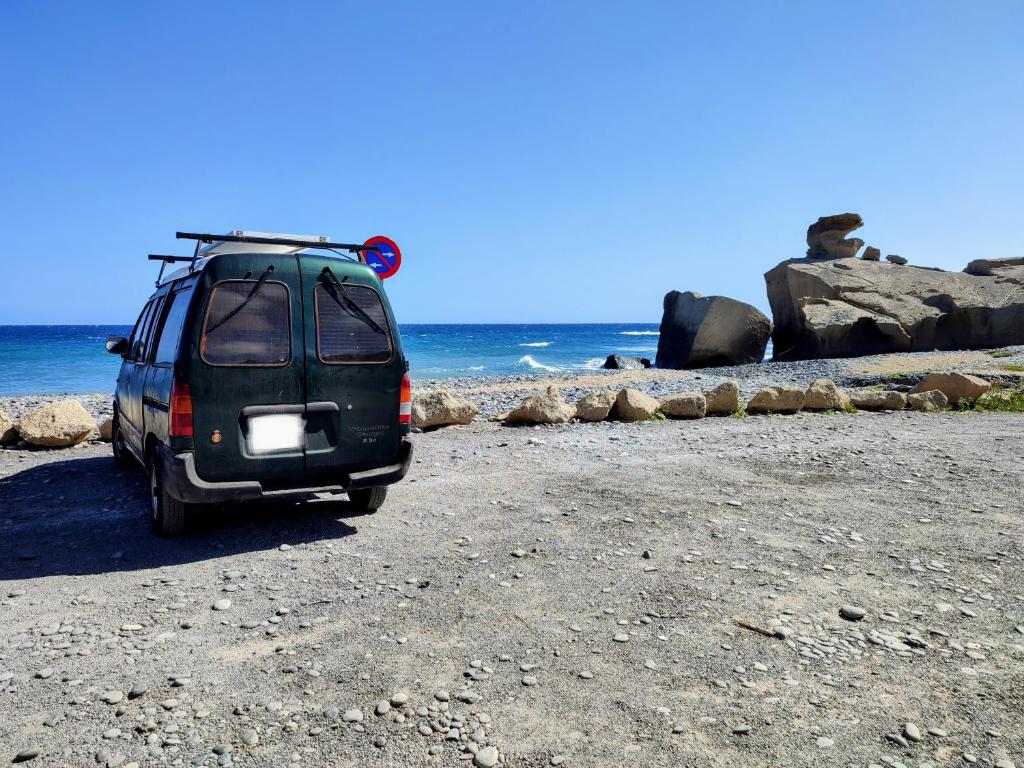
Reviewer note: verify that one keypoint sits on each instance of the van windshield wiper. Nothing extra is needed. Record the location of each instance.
(350, 306)
(240, 307)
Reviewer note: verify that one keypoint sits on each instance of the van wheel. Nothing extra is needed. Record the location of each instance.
(166, 515)
(368, 500)
(122, 456)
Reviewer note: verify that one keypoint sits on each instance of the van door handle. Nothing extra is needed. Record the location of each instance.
(323, 406)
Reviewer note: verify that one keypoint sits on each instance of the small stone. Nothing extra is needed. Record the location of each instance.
(529, 680)
(852, 613)
(382, 708)
(741, 730)
(912, 732)
(112, 697)
(352, 716)
(221, 605)
(250, 738)
(824, 742)
(621, 637)
(486, 757)
(442, 695)
(399, 699)
(25, 755)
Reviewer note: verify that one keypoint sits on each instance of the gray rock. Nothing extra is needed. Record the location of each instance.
(911, 732)
(486, 757)
(826, 238)
(626, 363)
(704, 331)
(852, 613)
(892, 258)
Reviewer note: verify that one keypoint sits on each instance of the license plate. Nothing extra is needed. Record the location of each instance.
(276, 432)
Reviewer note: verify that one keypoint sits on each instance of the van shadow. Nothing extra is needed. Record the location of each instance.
(85, 516)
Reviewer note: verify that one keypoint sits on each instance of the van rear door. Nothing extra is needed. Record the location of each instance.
(247, 370)
(354, 369)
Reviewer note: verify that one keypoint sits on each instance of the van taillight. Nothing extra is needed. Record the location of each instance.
(405, 401)
(180, 416)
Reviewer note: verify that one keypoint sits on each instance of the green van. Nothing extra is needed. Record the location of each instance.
(271, 366)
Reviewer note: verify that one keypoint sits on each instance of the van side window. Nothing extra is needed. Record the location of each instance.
(135, 347)
(170, 333)
(248, 322)
(147, 332)
(351, 325)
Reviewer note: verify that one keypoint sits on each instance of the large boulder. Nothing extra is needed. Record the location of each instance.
(723, 400)
(825, 395)
(634, 405)
(703, 331)
(847, 307)
(878, 400)
(8, 434)
(60, 424)
(107, 430)
(625, 363)
(955, 386)
(546, 408)
(441, 409)
(777, 400)
(684, 405)
(930, 400)
(826, 238)
(595, 406)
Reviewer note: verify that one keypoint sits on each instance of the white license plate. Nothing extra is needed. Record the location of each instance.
(276, 432)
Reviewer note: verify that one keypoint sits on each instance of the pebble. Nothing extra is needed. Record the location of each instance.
(529, 680)
(250, 738)
(25, 755)
(221, 605)
(912, 732)
(486, 757)
(741, 730)
(112, 697)
(852, 613)
(352, 716)
(621, 637)
(382, 708)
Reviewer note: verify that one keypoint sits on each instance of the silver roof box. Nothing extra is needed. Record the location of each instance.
(211, 249)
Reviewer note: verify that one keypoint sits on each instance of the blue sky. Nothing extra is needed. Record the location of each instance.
(536, 161)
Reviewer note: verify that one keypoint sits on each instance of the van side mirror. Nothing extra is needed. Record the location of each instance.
(117, 345)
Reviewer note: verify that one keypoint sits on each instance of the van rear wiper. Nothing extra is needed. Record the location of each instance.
(240, 307)
(350, 305)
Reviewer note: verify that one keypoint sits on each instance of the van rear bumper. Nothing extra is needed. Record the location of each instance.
(182, 482)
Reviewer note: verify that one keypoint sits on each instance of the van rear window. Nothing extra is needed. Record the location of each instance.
(248, 322)
(351, 325)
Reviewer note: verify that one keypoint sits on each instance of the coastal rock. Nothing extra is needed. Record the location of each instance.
(826, 238)
(932, 400)
(57, 425)
(851, 307)
(548, 408)
(8, 434)
(871, 254)
(955, 386)
(704, 331)
(625, 363)
(440, 409)
(777, 400)
(634, 405)
(684, 405)
(107, 430)
(723, 399)
(595, 406)
(878, 400)
(825, 395)
(899, 261)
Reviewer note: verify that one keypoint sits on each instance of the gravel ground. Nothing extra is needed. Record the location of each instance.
(538, 595)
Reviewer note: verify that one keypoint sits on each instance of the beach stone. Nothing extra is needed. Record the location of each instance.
(486, 757)
(723, 399)
(825, 395)
(221, 605)
(955, 386)
(60, 424)
(704, 331)
(352, 716)
(24, 755)
(634, 405)
(892, 258)
(548, 408)
(8, 434)
(911, 732)
(852, 613)
(626, 363)
(932, 400)
(595, 406)
(826, 238)
(441, 409)
(107, 430)
(871, 254)
(777, 400)
(878, 400)
(684, 405)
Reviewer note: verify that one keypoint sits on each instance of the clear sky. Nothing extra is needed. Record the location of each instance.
(536, 161)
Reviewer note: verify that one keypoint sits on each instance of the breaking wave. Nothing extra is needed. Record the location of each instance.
(537, 344)
(593, 364)
(639, 333)
(528, 360)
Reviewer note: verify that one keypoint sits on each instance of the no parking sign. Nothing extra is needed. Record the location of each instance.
(386, 260)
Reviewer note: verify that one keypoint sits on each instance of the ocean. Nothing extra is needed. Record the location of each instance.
(70, 358)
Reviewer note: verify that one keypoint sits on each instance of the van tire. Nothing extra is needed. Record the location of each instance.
(166, 515)
(368, 500)
(122, 456)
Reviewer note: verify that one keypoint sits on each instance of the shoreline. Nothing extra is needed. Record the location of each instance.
(496, 394)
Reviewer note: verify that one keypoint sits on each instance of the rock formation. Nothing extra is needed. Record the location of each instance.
(777, 400)
(684, 405)
(60, 424)
(723, 400)
(825, 395)
(634, 405)
(703, 331)
(441, 409)
(547, 408)
(595, 406)
(843, 307)
(826, 238)
(622, 362)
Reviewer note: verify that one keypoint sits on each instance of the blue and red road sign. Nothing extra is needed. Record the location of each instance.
(385, 261)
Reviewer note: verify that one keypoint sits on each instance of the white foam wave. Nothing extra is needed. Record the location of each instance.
(537, 344)
(593, 363)
(638, 349)
(476, 367)
(528, 360)
(639, 333)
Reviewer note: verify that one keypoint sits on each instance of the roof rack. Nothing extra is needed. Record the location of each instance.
(238, 236)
